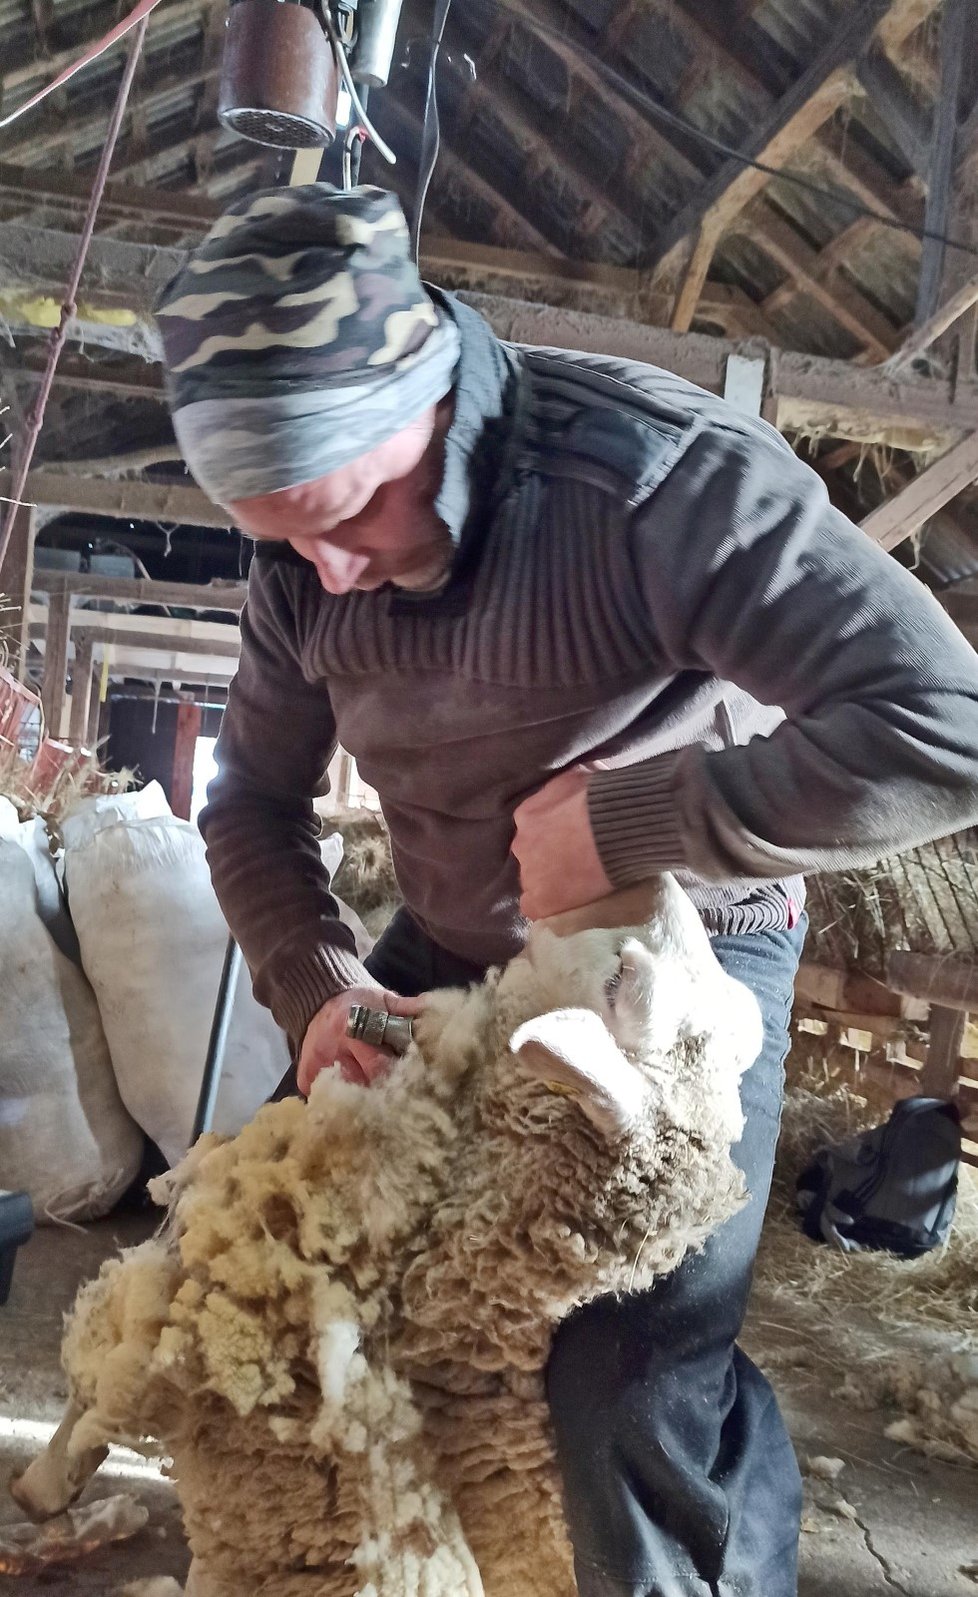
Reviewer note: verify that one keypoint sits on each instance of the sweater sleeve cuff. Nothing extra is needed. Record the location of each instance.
(634, 814)
(299, 991)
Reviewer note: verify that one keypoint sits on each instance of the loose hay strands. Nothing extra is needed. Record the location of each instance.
(55, 797)
(925, 900)
(365, 880)
(938, 1292)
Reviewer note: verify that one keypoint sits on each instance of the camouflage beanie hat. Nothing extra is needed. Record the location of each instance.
(298, 336)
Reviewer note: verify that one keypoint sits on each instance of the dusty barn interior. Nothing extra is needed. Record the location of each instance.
(776, 200)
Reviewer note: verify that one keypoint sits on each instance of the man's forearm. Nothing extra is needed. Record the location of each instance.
(274, 890)
(758, 582)
(262, 834)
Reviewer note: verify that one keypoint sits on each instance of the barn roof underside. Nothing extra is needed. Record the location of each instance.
(586, 166)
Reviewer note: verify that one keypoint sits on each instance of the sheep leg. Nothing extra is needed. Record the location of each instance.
(197, 1583)
(54, 1481)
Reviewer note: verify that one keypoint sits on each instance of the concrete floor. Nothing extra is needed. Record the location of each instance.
(893, 1522)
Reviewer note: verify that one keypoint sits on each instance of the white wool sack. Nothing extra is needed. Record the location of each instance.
(152, 942)
(64, 1135)
(90, 815)
(10, 821)
(37, 843)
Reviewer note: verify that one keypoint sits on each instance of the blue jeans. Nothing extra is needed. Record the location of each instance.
(679, 1477)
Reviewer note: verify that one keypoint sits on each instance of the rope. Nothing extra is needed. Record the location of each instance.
(135, 16)
(69, 308)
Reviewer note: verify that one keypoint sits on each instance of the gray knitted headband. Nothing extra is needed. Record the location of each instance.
(297, 337)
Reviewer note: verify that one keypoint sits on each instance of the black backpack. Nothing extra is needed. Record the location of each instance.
(893, 1188)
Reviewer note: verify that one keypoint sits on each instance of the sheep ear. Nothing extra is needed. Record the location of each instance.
(573, 1053)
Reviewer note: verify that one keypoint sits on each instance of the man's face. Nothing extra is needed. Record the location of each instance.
(371, 521)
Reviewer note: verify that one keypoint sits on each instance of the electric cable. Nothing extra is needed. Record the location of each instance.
(431, 125)
(639, 100)
(351, 88)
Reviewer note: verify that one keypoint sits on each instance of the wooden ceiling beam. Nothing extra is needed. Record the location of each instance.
(904, 206)
(806, 393)
(24, 70)
(904, 118)
(903, 515)
(121, 201)
(574, 47)
(137, 501)
(943, 318)
(491, 92)
(591, 285)
(855, 313)
(217, 596)
(806, 107)
(846, 305)
(512, 227)
(708, 30)
(957, 22)
(812, 394)
(707, 24)
(42, 16)
(48, 133)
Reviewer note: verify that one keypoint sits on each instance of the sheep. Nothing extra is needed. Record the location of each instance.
(340, 1334)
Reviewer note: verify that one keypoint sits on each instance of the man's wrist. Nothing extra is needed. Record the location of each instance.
(307, 981)
(634, 813)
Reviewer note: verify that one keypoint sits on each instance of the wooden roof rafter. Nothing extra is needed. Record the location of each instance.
(510, 226)
(857, 315)
(685, 248)
(23, 71)
(490, 91)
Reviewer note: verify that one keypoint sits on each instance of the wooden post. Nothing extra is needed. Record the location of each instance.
(939, 1077)
(94, 710)
(189, 717)
(15, 586)
(55, 663)
(81, 689)
(951, 983)
(968, 346)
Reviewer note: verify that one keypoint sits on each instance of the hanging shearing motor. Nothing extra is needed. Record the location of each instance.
(285, 60)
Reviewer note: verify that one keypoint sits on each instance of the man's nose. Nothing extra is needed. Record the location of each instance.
(337, 569)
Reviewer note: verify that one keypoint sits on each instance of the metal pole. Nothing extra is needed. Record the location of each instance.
(218, 1041)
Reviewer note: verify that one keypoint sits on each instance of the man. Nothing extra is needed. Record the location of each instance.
(550, 603)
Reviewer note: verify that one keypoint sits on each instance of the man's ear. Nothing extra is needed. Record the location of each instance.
(573, 1052)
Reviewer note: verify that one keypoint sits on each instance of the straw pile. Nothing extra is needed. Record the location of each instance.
(900, 1336)
(938, 1292)
(366, 880)
(53, 798)
(925, 901)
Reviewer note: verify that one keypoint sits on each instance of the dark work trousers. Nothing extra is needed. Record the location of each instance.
(679, 1478)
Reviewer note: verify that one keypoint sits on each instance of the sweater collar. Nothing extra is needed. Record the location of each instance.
(477, 465)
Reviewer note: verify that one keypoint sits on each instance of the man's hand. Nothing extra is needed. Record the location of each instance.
(326, 1043)
(558, 858)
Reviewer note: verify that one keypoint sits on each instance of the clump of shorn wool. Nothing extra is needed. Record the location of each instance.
(340, 1335)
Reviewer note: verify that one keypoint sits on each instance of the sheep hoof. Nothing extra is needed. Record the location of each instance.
(54, 1481)
(198, 1584)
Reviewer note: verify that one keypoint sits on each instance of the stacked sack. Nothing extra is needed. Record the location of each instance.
(152, 941)
(65, 1137)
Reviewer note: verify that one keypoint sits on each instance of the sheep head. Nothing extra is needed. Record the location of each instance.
(609, 1012)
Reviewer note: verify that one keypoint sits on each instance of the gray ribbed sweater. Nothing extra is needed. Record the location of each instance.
(642, 576)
